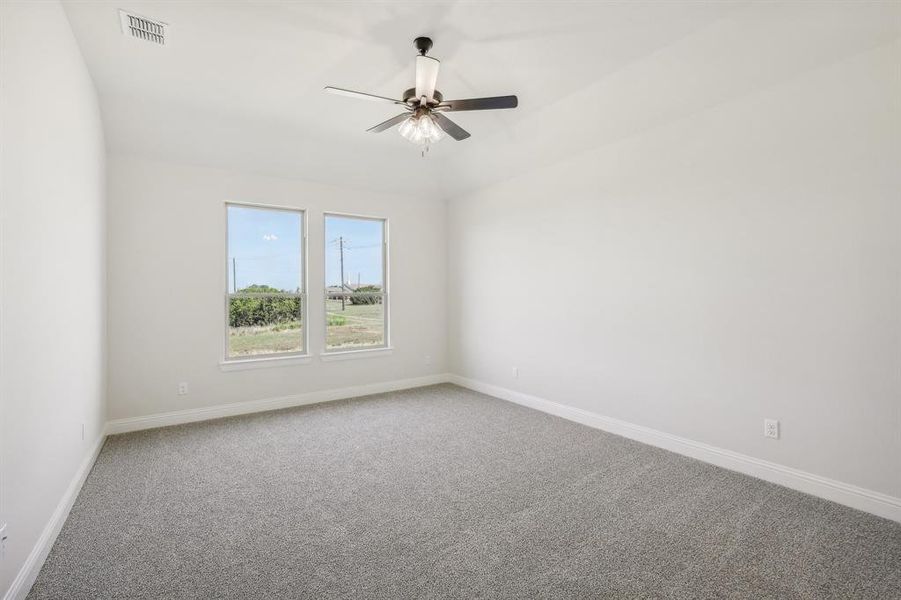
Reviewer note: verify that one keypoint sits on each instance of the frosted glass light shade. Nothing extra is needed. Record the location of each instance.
(421, 130)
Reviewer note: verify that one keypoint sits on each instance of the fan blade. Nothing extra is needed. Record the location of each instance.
(451, 128)
(389, 123)
(426, 76)
(364, 96)
(480, 103)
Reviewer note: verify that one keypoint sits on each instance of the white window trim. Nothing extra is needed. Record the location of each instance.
(280, 359)
(243, 364)
(359, 351)
(355, 354)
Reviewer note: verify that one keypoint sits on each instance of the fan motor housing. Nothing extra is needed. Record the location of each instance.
(410, 97)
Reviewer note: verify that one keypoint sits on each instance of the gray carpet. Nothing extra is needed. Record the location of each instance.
(442, 492)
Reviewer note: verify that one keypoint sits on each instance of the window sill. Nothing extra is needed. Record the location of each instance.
(264, 363)
(352, 354)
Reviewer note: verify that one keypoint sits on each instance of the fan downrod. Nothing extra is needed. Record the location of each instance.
(423, 44)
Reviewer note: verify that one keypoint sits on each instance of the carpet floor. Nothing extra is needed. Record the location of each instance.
(442, 492)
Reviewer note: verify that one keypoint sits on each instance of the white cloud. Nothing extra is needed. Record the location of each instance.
(270, 237)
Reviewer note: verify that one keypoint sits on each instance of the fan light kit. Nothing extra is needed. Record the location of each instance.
(423, 121)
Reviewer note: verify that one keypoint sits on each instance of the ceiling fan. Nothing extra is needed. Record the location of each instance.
(423, 121)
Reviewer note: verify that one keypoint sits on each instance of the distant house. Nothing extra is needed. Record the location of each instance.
(334, 292)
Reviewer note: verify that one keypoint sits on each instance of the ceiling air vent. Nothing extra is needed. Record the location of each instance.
(143, 28)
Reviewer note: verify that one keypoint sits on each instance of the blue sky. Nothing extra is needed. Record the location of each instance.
(362, 250)
(264, 248)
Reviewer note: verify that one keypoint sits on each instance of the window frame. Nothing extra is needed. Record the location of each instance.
(386, 301)
(279, 357)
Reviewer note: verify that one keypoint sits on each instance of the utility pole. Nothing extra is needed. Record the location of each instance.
(341, 246)
(234, 277)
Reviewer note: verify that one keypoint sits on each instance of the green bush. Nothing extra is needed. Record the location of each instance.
(265, 310)
(365, 295)
(334, 320)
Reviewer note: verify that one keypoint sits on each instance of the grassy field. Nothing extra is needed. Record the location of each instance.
(247, 341)
(358, 325)
(363, 325)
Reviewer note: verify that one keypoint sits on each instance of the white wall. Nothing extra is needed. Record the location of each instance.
(741, 263)
(167, 280)
(52, 270)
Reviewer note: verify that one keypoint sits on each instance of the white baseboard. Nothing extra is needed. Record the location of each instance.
(240, 408)
(863, 499)
(29, 571)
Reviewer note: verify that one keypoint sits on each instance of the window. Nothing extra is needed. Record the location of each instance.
(265, 301)
(356, 298)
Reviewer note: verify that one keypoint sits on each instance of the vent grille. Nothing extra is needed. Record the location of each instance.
(143, 28)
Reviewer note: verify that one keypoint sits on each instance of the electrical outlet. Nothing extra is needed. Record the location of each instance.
(2, 540)
(771, 428)
(515, 372)
(183, 388)
(428, 360)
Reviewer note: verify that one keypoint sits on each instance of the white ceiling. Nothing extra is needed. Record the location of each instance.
(239, 84)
